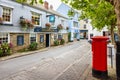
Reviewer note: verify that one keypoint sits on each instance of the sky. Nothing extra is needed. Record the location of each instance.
(55, 3)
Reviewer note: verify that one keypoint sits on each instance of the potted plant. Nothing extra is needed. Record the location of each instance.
(23, 23)
(59, 27)
(30, 24)
(48, 25)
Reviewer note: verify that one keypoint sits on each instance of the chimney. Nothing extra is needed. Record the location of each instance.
(46, 5)
(51, 7)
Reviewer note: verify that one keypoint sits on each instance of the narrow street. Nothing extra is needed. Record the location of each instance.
(66, 62)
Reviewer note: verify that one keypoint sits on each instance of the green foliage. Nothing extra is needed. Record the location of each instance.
(21, 1)
(23, 50)
(56, 42)
(62, 41)
(71, 13)
(69, 36)
(31, 2)
(59, 27)
(33, 46)
(100, 12)
(5, 49)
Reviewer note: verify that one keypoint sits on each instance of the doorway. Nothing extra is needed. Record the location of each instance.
(47, 40)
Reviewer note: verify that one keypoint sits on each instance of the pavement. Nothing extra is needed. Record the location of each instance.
(59, 67)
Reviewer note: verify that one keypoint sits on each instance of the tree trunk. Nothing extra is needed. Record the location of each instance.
(112, 34)
(117, 11)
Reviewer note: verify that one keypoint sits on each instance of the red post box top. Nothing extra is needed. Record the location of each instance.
(100, 38)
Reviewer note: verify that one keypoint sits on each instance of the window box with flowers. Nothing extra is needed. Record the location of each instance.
(30, 24)
(25, 24)
(1, 20)
(59, 27)
(47, 25)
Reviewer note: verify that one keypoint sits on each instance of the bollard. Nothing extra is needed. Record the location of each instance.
(118, 60)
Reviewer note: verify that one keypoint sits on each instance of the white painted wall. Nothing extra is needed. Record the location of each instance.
(25, 11)
(90, 29)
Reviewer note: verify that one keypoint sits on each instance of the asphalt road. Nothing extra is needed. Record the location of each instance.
(16, 65)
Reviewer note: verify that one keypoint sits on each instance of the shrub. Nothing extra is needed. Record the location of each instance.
(56, 42)
(33, 46)
(5, 49)
(59, 27)
(62, 41)
(69, 36)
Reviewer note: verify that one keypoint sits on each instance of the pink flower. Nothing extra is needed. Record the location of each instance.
(10, 45)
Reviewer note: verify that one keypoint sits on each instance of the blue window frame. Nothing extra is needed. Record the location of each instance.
(20, 40)
(32, 37)
(41, 38)
(59, 37)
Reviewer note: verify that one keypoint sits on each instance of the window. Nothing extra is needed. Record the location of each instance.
(55, 36)
(62, 22)
(75, 24)
(59, 37)
(7, 14)
(41, 38)
(3, 37)
(36, 18)
(20, 40)
(32, 38)
(84, 26)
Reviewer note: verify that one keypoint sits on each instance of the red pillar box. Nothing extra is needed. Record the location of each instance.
(99, 57)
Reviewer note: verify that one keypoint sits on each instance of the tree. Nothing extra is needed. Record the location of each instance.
(99, 11)
(116, 4)
(31, 2)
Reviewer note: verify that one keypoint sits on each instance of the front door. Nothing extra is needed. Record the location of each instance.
(47, 40)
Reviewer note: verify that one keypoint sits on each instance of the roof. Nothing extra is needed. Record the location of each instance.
(66, 8)
(41, 7)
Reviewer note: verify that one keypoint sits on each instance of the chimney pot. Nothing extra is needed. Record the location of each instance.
(51, 6)
(46, 5)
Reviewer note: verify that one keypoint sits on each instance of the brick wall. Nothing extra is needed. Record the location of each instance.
(13, 40)
(52, 39)
(41, 44)
(65, 37)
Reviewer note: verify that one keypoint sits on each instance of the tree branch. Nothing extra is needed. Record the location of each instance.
(111, 1)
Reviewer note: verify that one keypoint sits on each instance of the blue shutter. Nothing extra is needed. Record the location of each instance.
(20, 40)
